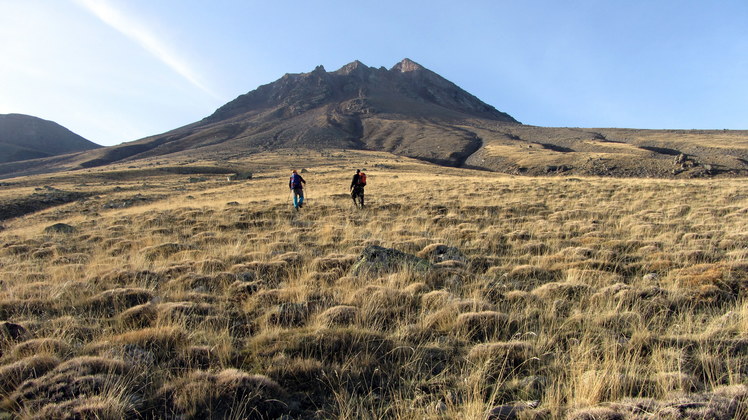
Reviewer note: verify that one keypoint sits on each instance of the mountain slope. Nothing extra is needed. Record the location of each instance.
(25, 137)
(407, 110)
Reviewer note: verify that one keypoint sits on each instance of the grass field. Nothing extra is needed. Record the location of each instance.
(454, 294)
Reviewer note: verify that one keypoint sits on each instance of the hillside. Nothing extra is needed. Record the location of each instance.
(24, 137)
(160, 289)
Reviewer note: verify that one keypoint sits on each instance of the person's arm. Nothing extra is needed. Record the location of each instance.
(302, 179)
(354, 181)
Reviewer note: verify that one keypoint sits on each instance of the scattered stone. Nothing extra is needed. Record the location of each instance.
(437, 253)
(60, 228)
(232, 203)
(650, 277)
(440, 407)
(505, 412)
(195, 179)
(378, 259)
(242, 175)
(129, 202)
(556, 169)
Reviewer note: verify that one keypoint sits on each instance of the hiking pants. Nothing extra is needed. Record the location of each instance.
(298, 197)
(358, 191)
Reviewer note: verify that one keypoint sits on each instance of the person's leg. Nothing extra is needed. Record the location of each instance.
(295, 200)
(301, 198)
(362, 198)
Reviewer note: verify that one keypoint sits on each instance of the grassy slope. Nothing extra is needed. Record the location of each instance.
(588, 296)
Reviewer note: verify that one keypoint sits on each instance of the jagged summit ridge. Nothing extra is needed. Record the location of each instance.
(407, 65)
(404, 88)
(352, 67)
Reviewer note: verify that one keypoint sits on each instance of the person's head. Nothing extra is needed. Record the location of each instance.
(294, 171)
(358, 170)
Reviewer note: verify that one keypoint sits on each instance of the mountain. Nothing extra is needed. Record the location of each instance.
(24, 137)
(409, 110)
(403, 110)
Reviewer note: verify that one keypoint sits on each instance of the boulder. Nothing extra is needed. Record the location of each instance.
(60, 228)
(376, 259)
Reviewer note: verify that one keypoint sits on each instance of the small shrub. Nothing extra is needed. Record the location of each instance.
(554, 290)
(191, 312)
(210, 266)
(595, 413)
(164, 342)
(527, 277)
(228, 393)
(483, 326)
(109, 406)
(511, 356)
(293, 259)
(164, 250)
(14, 374)
(268, 273)
(435, 299)
(87, 375)
(342, 315)
(47, 345)
(140, 316)
(332, 345)
(289, 314)
(341, 262)
(114, 301)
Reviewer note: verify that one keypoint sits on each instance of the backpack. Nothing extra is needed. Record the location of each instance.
(362, 179)
(295, 181)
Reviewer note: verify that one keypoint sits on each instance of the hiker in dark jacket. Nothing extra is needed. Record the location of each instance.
(357, 188)
(296, 184)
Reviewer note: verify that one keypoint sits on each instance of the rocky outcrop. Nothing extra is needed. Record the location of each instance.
(375, 259)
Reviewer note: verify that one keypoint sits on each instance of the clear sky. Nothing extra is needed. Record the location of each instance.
(119, 70)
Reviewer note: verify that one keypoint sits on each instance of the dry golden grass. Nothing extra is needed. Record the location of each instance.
(576, 298)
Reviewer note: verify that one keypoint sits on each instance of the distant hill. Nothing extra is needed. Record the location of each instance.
(24, 137)
(411, 111)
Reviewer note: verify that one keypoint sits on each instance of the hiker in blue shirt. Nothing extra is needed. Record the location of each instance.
(296, 184)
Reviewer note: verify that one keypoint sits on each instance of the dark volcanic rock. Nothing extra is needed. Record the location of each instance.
(377, 259)
(60, 228)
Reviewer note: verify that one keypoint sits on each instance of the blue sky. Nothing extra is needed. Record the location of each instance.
(119, 70)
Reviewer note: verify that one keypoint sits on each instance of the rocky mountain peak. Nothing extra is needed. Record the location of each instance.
(353, 67)
(407, 65)
(406, 89)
